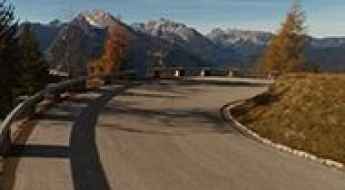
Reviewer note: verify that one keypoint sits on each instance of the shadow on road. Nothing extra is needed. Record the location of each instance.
(12, 164)
(223, 83)
(87, 170)
(40, 151)
(149, 95)
(55, 117)
(167, 117)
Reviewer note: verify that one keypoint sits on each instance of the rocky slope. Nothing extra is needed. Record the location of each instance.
(246, 46)
(180, 34)
(326, 53)
(82, 40)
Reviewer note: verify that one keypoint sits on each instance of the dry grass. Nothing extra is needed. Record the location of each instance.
(305, 112)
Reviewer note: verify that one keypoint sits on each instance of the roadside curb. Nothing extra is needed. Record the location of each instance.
(226, 111)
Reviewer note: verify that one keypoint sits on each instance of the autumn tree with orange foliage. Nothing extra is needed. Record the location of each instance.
(115, 52)
(285, 52)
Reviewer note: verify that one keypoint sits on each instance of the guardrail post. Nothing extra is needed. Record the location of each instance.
(5, 143)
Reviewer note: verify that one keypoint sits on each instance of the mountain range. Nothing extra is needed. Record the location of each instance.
(164, 43)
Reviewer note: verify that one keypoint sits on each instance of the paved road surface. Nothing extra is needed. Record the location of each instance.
(151, 137)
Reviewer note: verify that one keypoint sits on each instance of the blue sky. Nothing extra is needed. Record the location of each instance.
(324, 17)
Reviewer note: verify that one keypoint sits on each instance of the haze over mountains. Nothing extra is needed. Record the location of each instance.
(165, 43)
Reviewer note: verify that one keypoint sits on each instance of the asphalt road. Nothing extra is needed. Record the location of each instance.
(155, 136)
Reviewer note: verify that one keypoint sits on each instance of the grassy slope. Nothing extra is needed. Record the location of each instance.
(306, 112)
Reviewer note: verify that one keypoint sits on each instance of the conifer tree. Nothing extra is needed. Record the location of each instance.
(34, 72)
(285, 52)
(9, 57)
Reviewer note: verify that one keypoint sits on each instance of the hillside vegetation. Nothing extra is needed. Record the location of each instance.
(306, 112)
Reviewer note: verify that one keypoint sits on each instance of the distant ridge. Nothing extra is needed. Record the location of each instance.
(82, 40)
(179, 44)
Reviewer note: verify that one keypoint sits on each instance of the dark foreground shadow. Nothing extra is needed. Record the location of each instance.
(55, 117)
(9, 173)
(223, 83)
(87, 170)
(40, 151)
(7, 178)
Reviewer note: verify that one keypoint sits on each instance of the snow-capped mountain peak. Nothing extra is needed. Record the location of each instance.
(99, 18)
(158, 27)
(233, 36)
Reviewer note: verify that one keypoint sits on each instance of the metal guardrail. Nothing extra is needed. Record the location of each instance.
(28, 107)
